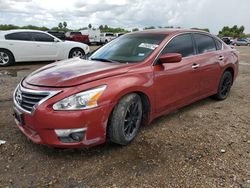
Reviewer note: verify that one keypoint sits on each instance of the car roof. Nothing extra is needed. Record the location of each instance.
(170, 31)
(19, 30)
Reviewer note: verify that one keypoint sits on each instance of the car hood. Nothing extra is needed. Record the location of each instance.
(74, 72)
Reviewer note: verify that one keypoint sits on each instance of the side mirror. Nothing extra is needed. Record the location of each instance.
(170, 58)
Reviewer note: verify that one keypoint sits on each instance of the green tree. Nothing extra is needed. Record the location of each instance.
(65, 24)
(135, 29)
(235, 31)
(101, 27)
(150, 27)
(60, 25)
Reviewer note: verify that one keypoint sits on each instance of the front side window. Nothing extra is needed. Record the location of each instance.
(182, 44)
(129, 48)
(42, 37)
(204, 43)
(24, 36)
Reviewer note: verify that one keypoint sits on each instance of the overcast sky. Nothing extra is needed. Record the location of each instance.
(212, 14)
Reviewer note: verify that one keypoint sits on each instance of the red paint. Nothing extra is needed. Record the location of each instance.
(79, 38)
(168, 86)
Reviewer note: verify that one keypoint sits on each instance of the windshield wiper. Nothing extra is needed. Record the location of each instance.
(104, 60)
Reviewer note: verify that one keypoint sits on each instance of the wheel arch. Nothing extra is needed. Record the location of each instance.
(146, 102)
(74, 48)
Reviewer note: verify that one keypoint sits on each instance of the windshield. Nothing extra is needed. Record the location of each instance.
(129, 48)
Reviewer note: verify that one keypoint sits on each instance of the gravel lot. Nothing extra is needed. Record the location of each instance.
(206, 144)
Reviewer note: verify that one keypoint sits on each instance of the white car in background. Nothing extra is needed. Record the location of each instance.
(107, 37)
(33, 45)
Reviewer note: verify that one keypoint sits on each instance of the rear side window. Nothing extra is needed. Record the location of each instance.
(218, 44)
(18, 36)
(204, 43)
(42, 37)
(182, 44)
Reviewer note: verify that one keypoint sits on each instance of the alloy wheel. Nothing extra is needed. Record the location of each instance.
(225, 86)
(77, 53)
(132, 117)
(4, 58)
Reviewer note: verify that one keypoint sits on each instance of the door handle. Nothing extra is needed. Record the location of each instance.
(221, 58)
(195, 66)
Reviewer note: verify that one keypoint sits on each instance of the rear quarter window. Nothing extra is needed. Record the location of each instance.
(204, 43)
(218, 44)
(24, 36)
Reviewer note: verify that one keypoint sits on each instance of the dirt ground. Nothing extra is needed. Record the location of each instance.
(206, 144)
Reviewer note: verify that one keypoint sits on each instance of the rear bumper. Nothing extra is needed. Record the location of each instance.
(40, 126)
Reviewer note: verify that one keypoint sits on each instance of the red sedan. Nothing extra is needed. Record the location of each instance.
(124, 84)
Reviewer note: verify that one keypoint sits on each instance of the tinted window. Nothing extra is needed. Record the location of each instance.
(182, 44)
(218, 44)
(18, 36)
(109, 34)
(75, 33)
(42, 37)
(204, 43)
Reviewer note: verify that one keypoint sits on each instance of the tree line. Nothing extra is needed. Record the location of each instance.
(226, 31)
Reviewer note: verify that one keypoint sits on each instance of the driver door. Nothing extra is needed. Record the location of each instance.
(177, 84)
(46, 49)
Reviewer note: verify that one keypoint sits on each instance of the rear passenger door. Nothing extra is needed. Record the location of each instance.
(209, 56)
(21, 45)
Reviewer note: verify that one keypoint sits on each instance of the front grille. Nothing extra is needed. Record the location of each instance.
(27, 99)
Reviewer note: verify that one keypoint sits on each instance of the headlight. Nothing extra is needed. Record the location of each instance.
(83, 100)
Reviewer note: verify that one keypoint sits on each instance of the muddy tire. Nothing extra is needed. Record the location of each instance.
(226, 82)
(125, 119)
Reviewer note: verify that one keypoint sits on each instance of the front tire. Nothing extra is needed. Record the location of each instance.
(224, 86)
(77, 52)
(125, 119)
(6, 58)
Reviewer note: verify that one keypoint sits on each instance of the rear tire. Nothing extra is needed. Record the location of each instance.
(224, 86)
(76, 52)
(125, 119)
(6, 58)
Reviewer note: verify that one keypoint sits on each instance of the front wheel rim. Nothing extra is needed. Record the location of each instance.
(132, 120)
(4, 58)
(226, 85)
